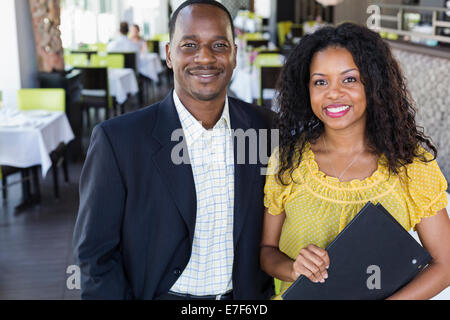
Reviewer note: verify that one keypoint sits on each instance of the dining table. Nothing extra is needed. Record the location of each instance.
(122, 82)
(246, 79)
(28, 137)
(150, 65)
(26, 140)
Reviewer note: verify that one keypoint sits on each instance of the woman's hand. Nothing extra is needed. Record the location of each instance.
(312, 262)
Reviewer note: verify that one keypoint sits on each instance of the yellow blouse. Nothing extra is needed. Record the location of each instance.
(318, 207)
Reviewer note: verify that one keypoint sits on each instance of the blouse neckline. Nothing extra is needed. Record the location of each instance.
(378, 176)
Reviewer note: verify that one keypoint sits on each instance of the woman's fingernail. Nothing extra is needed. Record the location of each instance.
(326, 276)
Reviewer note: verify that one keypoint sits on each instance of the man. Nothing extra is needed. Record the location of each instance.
(152, 228)
(122, 43)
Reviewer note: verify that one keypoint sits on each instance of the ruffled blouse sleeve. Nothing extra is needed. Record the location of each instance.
(426, 188)
(275, 193)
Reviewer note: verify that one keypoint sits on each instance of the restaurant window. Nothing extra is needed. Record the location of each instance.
(87, 22)
(262, 8)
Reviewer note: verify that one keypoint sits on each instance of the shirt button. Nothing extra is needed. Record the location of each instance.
(177, 272)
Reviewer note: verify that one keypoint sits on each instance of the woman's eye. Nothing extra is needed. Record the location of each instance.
(349, 80)
(320, 82)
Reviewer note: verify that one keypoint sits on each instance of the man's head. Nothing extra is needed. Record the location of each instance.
(201, 51)
(173, 19)
(124, 28)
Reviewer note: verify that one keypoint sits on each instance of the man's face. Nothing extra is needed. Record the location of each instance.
(202, 53)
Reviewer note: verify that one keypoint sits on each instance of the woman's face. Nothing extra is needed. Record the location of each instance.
(337, 94)
(134, 32)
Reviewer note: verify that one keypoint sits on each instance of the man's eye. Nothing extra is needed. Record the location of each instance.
(188, 45)
(221, 45)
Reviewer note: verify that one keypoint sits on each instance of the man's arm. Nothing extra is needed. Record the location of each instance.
(97, 233)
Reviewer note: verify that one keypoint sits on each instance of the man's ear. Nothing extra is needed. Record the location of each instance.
(168, 58)
(235, 55)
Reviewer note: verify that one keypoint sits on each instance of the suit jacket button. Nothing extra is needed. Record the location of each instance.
(177, 272)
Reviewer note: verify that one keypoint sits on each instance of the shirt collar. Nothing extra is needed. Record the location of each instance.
(192, 127)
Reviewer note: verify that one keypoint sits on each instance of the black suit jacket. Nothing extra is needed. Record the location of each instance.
(135, 225)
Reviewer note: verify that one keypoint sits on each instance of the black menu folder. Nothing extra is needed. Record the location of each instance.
(373, 257)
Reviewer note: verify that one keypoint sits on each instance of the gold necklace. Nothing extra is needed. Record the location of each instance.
(331, 162)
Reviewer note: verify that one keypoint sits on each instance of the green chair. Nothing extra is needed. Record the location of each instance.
(49, 100)
(95, 93)
(253, 36)
(153, 46)
(283, 28)
(42, 99)
(162, 37)
(76, 59)
(114, 61)
(269, 65)
(99, 47)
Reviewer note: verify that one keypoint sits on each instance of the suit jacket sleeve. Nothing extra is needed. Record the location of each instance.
(97, 231)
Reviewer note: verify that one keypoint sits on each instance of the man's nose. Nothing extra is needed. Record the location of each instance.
(205, 55)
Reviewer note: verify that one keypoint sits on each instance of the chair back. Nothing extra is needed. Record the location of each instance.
(115, 61)
(268, 60)
(130, 59)
(297, 30)
(95, 79)
(269, 80)
(153, 46)
(257, 43)
(253, 36)
(42, 99)
(76, 59)
(99, 47)
(283, 28)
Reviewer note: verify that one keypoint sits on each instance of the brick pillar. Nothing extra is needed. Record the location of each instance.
(46, 20)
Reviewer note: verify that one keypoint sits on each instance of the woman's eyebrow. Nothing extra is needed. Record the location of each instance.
(322, 74)
(346, 71)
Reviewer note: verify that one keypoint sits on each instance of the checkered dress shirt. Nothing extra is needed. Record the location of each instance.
(209, 271)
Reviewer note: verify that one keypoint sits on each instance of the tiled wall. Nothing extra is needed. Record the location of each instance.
(429, 82)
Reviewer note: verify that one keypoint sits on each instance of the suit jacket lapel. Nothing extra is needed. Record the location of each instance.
(243, 173)
(179, 177)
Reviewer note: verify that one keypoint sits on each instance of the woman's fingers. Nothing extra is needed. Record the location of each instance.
(312, 262)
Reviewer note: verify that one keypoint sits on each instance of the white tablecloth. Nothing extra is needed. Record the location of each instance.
(246, 85)
(121, 83)
(150, 65)
(30, 143)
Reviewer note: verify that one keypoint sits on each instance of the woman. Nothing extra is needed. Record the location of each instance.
(136, 37)
(348, 136)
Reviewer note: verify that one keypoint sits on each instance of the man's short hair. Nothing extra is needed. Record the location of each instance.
(173, 19)
(124, 28)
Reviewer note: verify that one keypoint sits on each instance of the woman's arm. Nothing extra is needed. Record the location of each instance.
(434, 233)
(312, 261)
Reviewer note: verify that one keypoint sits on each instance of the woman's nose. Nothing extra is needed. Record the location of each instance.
(334, 91)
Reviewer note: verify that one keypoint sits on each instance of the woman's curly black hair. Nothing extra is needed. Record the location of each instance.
(390, 129)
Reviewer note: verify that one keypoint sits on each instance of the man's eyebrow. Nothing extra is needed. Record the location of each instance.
(194, 37)
(343, 72)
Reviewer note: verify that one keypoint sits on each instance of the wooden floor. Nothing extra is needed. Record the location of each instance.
(36, 244)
